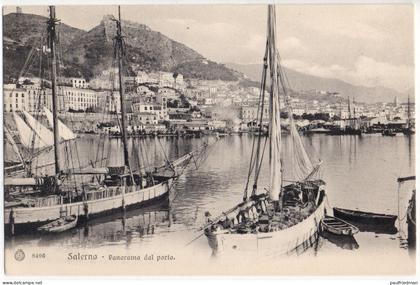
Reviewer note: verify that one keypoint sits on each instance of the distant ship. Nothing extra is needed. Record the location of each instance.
(409, 130)
(353, 127)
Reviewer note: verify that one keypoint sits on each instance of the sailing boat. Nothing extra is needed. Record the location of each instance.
(409, 130)
(35, 138)
(288, 215)
(12, 165)
(352, 128)
(49, 197)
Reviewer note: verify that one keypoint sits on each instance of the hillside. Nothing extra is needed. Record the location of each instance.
(23, 31)
(28, 28)
(300, 81)
(86, 53)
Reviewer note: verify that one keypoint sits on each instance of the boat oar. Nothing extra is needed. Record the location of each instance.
(220, 216)
(196, 238)
(214, 222)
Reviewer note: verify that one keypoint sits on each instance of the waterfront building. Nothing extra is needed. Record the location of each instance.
(143, 118)
(217, 124)
(196, 125)
(14, 98)
(249, 113)
(405, 108)
(78, 99)
(25, 98)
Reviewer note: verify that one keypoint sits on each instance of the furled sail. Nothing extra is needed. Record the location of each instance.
(27, 135)
(9, 138)
(65, 133)
(274, 129)
(302, 166)
(42, 132)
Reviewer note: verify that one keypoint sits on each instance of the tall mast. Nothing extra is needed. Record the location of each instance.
(349, 108)
(274, 129)
(52, 38)
(408, 111)
(120, 54)
(354, 108)
(261, 114)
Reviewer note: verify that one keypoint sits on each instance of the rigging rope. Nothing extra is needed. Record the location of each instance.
(254, 160)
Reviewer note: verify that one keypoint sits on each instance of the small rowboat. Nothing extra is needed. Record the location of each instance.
(365, 217)
(338, 227)
(60, 225)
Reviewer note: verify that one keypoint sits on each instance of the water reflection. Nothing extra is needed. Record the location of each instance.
(118, 228)
(344, 242)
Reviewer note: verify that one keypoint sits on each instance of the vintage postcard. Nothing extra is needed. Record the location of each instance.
(236, 139)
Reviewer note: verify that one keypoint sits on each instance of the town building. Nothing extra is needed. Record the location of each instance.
(78, 99)
(249, 113)
(142, 77)
(75, 82)
(25, 98)
(166, 79)
(144, 118)
(157, 108)
(168, 93)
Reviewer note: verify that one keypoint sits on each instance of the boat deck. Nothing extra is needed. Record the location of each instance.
(260, 215)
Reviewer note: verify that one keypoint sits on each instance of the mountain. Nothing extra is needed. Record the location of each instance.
(86, 53)
(27, 29)
(301, 81)
(21, 32)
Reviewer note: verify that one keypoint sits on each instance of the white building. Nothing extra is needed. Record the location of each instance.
(142, 77)
(144, 91)
(166, 79)
(249, 113)
(156, 108)
(76, 82)
(79, 99)
(25, 99)
(145, 118)
(168, 93)
(14, 99)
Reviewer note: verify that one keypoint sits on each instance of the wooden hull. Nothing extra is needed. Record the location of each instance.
(278, 242)
(338, 227)
(54, 228)
(37, 215)
(338, 132)
(365, 217)
(409, 131)
(411, 222)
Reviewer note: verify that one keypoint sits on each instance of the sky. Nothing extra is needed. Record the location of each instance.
(369, 45)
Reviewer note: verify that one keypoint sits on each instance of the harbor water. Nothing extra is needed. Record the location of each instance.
(360, 172)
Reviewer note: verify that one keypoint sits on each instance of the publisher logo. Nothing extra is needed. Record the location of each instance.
(19, 255)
